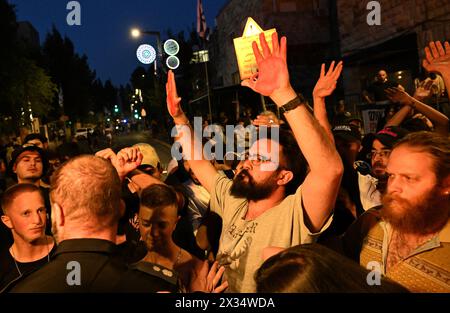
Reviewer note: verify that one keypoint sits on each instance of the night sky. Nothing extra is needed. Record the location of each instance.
(104, 34)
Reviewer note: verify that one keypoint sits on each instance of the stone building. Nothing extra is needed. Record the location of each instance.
(322, 30)
(306, 24)
(396, 44)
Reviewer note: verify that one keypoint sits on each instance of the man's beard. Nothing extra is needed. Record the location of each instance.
(376, 167)
(382, 177)
(250, 189)
(426, 215)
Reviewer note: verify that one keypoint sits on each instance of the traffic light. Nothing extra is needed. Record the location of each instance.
(171, 47)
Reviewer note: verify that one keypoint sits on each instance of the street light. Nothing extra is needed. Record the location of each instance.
(136, 33)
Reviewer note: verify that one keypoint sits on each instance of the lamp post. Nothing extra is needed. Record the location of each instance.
(136, 33)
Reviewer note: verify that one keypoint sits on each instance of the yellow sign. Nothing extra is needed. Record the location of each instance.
(243, 46)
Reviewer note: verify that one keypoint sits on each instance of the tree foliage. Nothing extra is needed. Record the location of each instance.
(23, 84)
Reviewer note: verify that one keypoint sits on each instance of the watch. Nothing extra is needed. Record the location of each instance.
(297, 101)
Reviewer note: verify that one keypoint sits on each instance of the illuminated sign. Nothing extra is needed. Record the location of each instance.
(173, 62)
(244, 51)
(146, 54)
(171, 47)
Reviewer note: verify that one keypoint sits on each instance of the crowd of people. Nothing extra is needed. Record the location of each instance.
(309, 206)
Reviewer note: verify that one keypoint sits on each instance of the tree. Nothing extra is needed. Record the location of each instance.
(72, 73)
(23, 84)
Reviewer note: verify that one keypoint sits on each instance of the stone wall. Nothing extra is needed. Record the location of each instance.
(426, 19)
(307, 29)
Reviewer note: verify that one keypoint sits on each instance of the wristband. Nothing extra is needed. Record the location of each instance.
(291, 105)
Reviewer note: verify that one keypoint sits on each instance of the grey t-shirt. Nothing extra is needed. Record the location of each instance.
(242, 241)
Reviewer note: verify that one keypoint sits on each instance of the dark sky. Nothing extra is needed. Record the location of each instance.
(104, 34)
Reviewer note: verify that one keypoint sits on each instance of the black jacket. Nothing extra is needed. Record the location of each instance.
(88, 266)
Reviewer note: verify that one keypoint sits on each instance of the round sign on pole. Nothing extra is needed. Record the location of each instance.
(171, 47)
(173, 62)
(146, 54)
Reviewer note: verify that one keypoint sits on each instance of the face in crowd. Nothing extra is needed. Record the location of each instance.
(29, 166)
(415, 201)
(348, 149)
(156, 226)
(26, 216)
(382, 76)
(379, 158)
(260, 174)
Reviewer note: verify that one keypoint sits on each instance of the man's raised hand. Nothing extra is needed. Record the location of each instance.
(327, 82)
(273, 76)
(423, 91)
(437, 57)
(399, 96)
(129, 159)
(173, 101)
(110, 155)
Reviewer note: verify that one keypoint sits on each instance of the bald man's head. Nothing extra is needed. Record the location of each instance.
(382, 76)
(88, 189)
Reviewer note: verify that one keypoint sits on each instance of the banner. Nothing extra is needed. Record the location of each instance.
(370, 119)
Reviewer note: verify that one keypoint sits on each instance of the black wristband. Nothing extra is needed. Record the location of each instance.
(297, 101)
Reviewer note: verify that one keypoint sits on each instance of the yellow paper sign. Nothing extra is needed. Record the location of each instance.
(243, 46)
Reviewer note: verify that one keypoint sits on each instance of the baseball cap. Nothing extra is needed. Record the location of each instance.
(34, 136)
(19, 151)
(347, 132)
(150, 155)
(388, 136)
(352, 118)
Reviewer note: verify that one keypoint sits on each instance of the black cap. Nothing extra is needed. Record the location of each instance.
(388, 136)
(347, 132)
(352, 118)
(33, 136)
(16, 153)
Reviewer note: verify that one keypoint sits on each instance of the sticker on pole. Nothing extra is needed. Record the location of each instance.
(171, 47)
(146, 54)
(173, 62)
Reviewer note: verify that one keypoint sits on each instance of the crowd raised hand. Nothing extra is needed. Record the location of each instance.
(437, 57)
(327, 82)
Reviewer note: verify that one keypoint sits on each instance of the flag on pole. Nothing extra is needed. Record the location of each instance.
(202, 29)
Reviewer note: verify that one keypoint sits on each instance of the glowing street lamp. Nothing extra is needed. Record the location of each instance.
(135, 33)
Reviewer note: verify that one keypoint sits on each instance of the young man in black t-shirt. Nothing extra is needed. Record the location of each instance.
(24, 213)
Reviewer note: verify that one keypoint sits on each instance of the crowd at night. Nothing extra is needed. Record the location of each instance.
(279, 183)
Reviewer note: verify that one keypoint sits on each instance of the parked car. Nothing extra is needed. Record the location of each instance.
(83, 132)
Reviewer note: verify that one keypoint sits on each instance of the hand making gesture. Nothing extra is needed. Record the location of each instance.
(397, 95)
(437, 59)
(125, 161)
(173, 101)
(327, 82)
(272, 78)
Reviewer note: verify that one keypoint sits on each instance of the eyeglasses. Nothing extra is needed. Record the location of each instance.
(256, 159)
(382, 153)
